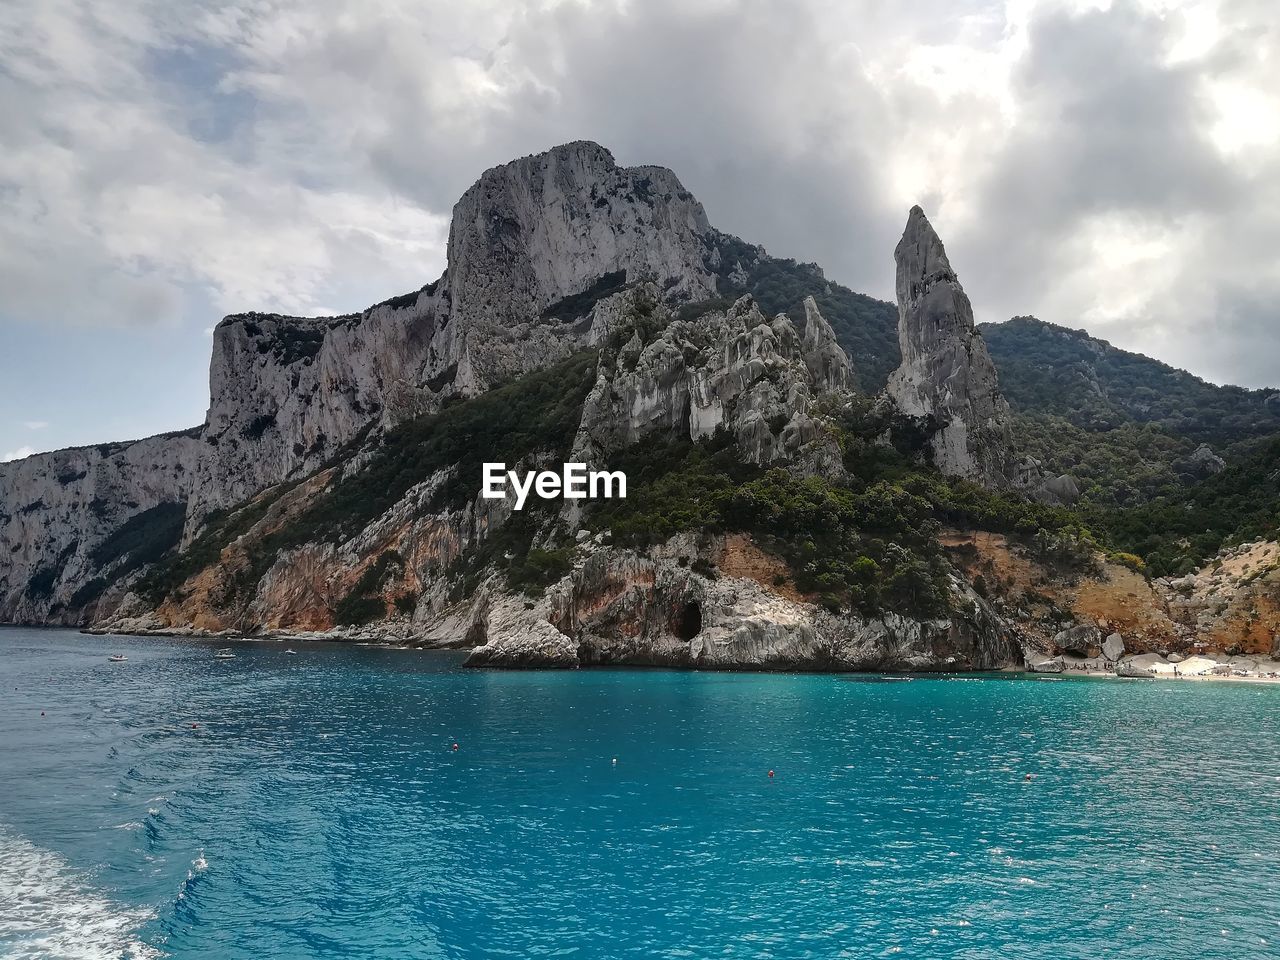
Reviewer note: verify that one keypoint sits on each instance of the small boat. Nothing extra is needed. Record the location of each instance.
(117, 658)
(291, 653)
(224, 654)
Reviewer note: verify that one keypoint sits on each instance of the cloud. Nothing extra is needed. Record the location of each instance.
(35, 424)
(131, 176)
(1119, 202)
(1114, 165)
(17, 454)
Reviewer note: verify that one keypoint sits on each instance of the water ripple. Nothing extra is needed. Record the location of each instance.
(313, 806)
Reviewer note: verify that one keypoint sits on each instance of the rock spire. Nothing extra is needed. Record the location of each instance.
(947, 378)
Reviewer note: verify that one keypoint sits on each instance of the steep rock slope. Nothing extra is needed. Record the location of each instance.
(395, 542)
(71, 519)
(779, 518)
(532, 245)
(733, 370)
(947, 377)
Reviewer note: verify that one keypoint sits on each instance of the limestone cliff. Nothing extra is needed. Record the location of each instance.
(946, 378)
(421, 568)
(586, 311)
(532, 245)
(534, 240)
(59, 511)
(734, 370)
(656, 609)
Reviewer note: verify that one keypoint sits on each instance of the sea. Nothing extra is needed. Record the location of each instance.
(349, 801)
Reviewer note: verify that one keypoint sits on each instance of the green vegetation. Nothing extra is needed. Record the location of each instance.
(578, 305)
(405, 299)
(869, 545)
(536, 413)
(1124, 426)
(220, 529)
(1175, 534)
(1120, 467)
(510, 550)
(42, 582)
(142, 539)
(44, 578)
(1049, 369)
(294, 340)
(867, 328)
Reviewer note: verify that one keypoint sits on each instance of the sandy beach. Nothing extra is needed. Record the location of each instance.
(1153, 666)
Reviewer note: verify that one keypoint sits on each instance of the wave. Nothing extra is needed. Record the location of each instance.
(50, 910)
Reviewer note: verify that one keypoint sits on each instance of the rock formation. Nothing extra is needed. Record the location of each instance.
(827, 362)
(946, 379)
(547, 255)
(533, 245)
(734, 370)
(620, 607)
(533, 236)
(58, 511)
(1205, 462)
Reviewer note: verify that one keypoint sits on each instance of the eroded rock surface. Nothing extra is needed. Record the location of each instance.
(733, 369)
(620, 607)
(947, 378)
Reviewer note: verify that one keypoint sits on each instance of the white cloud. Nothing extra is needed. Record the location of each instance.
(35, 424)
(17, 454)
(1115, 164)
(106, 178)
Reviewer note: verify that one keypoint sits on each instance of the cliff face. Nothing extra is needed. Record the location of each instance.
(532, 245)
(58, 512)
(582, 314)
(734, 370)
(530, 238)
(947, 377)
(423, 569)
(286, 393)
(655, 609)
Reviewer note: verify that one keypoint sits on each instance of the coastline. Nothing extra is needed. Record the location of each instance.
(1200, 667)
(1131, 667)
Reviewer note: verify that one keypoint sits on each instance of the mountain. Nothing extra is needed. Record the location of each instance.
(816, 479)
(1066, 373)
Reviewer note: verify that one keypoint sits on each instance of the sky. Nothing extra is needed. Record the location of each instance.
(1107, 165)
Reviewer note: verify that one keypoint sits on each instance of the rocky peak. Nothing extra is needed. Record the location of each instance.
(946, 377)
(827, 362)
(532, 237)
(730, 369)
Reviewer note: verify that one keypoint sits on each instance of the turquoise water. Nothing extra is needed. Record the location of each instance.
(319, 810)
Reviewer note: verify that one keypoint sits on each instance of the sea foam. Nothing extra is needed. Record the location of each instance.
(48, 909)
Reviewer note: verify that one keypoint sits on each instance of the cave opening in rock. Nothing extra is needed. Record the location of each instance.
(690, 624)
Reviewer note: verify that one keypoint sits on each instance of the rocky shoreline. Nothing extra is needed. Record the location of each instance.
(1198, 667)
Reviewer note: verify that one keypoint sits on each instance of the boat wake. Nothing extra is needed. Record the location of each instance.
(48, 909)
